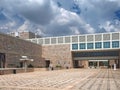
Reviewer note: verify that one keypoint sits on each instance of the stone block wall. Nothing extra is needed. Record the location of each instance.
(58, 54)
(14, 48)
(15, 71)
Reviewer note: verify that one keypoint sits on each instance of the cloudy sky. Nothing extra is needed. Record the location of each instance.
(60, 17)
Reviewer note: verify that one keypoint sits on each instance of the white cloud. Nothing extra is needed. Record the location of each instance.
(96, 12)
(109, 27)
(67, 23)
(45, 17)
(28, 26)
(75, 30)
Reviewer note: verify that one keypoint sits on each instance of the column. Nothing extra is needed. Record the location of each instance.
(25, 63)
(98, 64)
(119, 63)
(114, 66)
(119, 60)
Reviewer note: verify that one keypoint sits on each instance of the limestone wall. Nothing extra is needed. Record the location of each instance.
(14, 48)
(15, 71)
(58, 54)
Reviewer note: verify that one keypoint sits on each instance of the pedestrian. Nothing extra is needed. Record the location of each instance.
(51, 66)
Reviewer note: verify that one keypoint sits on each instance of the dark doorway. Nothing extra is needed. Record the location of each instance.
(118, 63)
(2, 60)
(93, 64)
(21, 64)
(47, 63)
(75, 64)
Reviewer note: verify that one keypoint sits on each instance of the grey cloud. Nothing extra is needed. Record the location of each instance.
(30, 9)
(67, 23)
(41, 14)
(45, 17)
(97, 12)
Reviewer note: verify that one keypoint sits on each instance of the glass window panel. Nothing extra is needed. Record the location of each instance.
(53, 40)
(90, 38)
(106, 44)
(115, 36)
(47, 41)
(60, 40)
(89, 45)
(81, 38)
(98, 37)
(74, 38)
(115, 44)
(40, 41)
(106, 36)
(98, 45)
(67, 39)
(74, 46)
(82, 46)
(96, 54)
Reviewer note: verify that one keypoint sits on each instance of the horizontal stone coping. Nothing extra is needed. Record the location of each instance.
(11, 68)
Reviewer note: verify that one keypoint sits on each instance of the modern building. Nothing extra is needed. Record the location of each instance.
(100, 50)
(24, 35)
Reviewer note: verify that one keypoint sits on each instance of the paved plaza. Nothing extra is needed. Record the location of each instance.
(70, 79)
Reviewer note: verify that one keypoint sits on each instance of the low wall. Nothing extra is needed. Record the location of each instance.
(40, 69)
(14, 70)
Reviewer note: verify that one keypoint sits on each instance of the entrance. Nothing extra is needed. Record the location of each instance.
(21, 64)
(78, 64)
(93, 64)
(98, 63)
(47, 63)
(2, 60)
(96, 59)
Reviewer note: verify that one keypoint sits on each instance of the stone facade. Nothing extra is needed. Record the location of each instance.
(58, 54)
(24, 35)
(14, 48)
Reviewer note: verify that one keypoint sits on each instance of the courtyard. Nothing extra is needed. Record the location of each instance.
(69, 79)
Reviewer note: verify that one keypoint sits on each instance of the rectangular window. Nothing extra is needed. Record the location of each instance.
(115, 44)
(106, 44)
(82, 46)
(74, 46)
(89, 45)
(95, 54)
(74, 38)
(98, 45)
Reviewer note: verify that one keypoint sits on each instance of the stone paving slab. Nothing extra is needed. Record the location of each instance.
(71, 79)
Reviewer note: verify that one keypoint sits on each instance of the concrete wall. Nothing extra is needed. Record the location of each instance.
(15, 71)
(58, 54)
(14, 48)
